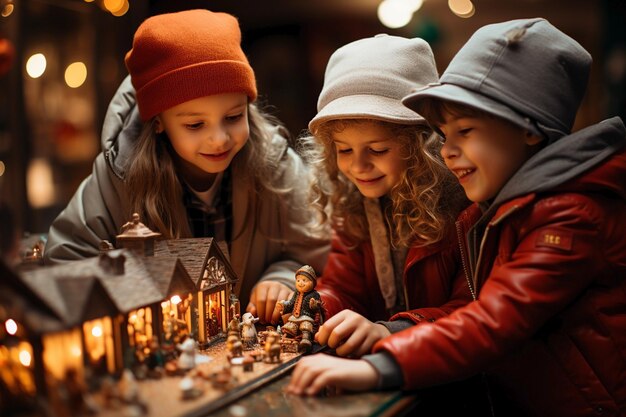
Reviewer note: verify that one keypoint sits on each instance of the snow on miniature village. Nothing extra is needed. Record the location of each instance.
(214, 374)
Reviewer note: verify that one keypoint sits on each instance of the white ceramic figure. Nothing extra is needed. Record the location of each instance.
(248, 330)
(187, 358)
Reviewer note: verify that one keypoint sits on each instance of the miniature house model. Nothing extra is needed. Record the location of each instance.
(213, 277)
(98, 316)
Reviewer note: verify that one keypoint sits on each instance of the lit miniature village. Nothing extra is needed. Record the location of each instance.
(152, 328)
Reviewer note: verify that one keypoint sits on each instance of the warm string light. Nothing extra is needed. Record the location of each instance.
(462, 8)
(25, 358)
(36, 65)
(398, 13)
(39, 183)
(75, 74)
(116, 7)
(7, 8)
(11, 326)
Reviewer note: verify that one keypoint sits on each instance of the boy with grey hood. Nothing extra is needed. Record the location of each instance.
(547, 253)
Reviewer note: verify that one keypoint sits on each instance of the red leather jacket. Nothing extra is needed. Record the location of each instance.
(549, 322)
(434, 281)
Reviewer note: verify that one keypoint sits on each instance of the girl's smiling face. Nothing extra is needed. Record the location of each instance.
(207, 132)
(370, 157)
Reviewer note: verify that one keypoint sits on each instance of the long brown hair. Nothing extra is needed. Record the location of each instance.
(155, 191)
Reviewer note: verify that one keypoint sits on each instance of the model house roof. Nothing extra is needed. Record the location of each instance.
(20, 303)
(117, 281)
(198, 254)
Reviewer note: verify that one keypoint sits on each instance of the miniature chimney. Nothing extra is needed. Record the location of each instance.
(112, 264)
(137, 237)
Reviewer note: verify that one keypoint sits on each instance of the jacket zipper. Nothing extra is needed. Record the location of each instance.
(471, 288)
(484, 239)
(471, 285)
(468, 276)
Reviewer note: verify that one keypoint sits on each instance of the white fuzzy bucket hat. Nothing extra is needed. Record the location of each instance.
(367, 79)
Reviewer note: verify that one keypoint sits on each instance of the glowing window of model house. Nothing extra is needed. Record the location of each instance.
(140, 327)
(185, 310)
(62, 352)
(99, 344)
(16, 364)
(176, 316)
(214, 313)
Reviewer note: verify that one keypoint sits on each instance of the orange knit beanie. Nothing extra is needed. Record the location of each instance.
(177, 57)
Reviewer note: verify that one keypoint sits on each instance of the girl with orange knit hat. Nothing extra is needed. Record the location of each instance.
(186, 147)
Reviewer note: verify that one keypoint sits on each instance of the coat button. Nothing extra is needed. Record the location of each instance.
(598, 409)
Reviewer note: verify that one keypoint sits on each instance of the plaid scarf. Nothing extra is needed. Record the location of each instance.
(214, 221)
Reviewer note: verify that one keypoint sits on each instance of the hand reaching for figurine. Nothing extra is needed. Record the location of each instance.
(263, 300)
(314, 373)
(350, 334)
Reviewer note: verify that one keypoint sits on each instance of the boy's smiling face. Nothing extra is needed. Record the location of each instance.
(484, 152)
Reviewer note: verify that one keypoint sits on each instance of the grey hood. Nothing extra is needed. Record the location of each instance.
(121, 128)
(565, 159)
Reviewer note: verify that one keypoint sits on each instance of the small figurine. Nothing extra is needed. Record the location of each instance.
(248, 363)
(187, 358)
(129, 394)
(223, 379)
(79, 401)
(272, 347)
(235, 305)
(233, 326)
(248, 330)
(188, 388)
(110, 393)
(303, 306)
(155, 359)
(133, 224)
(234, 346)
(212, 323)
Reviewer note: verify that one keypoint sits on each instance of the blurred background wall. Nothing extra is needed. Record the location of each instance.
(62, 60)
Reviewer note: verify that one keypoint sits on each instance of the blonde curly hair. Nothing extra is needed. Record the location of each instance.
(424, 204)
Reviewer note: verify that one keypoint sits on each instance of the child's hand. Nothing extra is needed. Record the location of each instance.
(350, 334)
(314, 373)
(263, 300)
